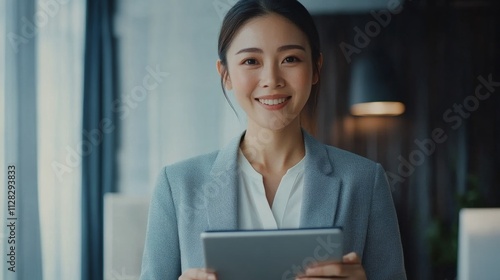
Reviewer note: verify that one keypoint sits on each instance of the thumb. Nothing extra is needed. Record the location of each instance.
(351, 258)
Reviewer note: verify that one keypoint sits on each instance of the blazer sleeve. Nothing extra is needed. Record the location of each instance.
(161, 257)
(383, 253)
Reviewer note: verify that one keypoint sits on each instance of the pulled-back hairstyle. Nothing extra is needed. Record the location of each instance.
(245, 10)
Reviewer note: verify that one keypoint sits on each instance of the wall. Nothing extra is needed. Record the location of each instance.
(439, 51)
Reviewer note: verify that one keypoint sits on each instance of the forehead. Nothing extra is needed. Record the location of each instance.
(268, 32)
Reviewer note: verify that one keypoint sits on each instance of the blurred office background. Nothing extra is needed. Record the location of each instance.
(96, 96)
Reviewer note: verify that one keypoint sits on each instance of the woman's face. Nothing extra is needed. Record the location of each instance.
(270, 71)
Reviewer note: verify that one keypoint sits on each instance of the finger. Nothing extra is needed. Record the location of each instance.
(351, 258)
(334, 271)
(198, 274)
(324, 263)
(331, 269)
(321, 278)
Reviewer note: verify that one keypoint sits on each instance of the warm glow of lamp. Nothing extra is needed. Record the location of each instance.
(378, 109)
(373, 87)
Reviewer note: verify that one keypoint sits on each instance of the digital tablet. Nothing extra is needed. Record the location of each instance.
(269, 254)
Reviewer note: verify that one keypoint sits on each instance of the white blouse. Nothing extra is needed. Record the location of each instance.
(254, 211)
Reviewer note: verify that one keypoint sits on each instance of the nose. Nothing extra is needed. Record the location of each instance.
(271, 77)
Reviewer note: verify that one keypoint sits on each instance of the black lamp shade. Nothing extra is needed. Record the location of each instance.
(373, 89)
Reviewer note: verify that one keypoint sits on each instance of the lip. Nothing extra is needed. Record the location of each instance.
(274, 97)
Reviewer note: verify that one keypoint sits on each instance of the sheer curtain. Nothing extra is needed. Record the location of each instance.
(20, 147)
(184, 113)
(3, 22)
(60, 77)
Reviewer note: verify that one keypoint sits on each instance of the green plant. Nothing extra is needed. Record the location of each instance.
(442, 236)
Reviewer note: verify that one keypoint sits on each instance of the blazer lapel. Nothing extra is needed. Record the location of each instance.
(222, 193)
(321, 188)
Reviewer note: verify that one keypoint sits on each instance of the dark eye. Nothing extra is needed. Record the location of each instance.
(291, 59)
(250, 61)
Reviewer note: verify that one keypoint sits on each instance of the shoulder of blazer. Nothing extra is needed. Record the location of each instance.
(192, 173)
(337, 157)
(193, 167)
(345, 165)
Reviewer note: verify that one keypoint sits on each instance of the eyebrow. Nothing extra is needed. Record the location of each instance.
(280, 49)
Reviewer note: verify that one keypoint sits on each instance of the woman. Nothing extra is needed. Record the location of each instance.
(275, 175)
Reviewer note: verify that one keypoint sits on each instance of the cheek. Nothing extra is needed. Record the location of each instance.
(243, 82)
(303, 79)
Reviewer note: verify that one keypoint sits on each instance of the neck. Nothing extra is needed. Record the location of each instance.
(273, 150)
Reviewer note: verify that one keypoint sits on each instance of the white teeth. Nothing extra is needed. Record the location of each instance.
(272, 101)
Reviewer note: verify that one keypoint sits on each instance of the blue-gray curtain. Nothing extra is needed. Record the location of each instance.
(98, 135)
(20, 159)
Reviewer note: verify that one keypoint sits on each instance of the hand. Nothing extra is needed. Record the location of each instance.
(350, 268)
(198, 274)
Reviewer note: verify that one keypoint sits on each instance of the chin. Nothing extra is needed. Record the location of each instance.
(276, 124)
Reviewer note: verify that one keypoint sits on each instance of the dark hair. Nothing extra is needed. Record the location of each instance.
(244, 10)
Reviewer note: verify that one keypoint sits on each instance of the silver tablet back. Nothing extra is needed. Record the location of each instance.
(269, 254)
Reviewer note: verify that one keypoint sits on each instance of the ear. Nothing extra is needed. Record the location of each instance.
(320, 64)
(224, 75)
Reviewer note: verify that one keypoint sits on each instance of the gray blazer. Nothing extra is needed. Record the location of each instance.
(341, 190)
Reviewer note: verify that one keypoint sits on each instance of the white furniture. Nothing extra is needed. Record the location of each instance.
(125, 221)
(479, 244)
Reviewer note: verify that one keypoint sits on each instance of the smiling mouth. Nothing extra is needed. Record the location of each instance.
(272, 102)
